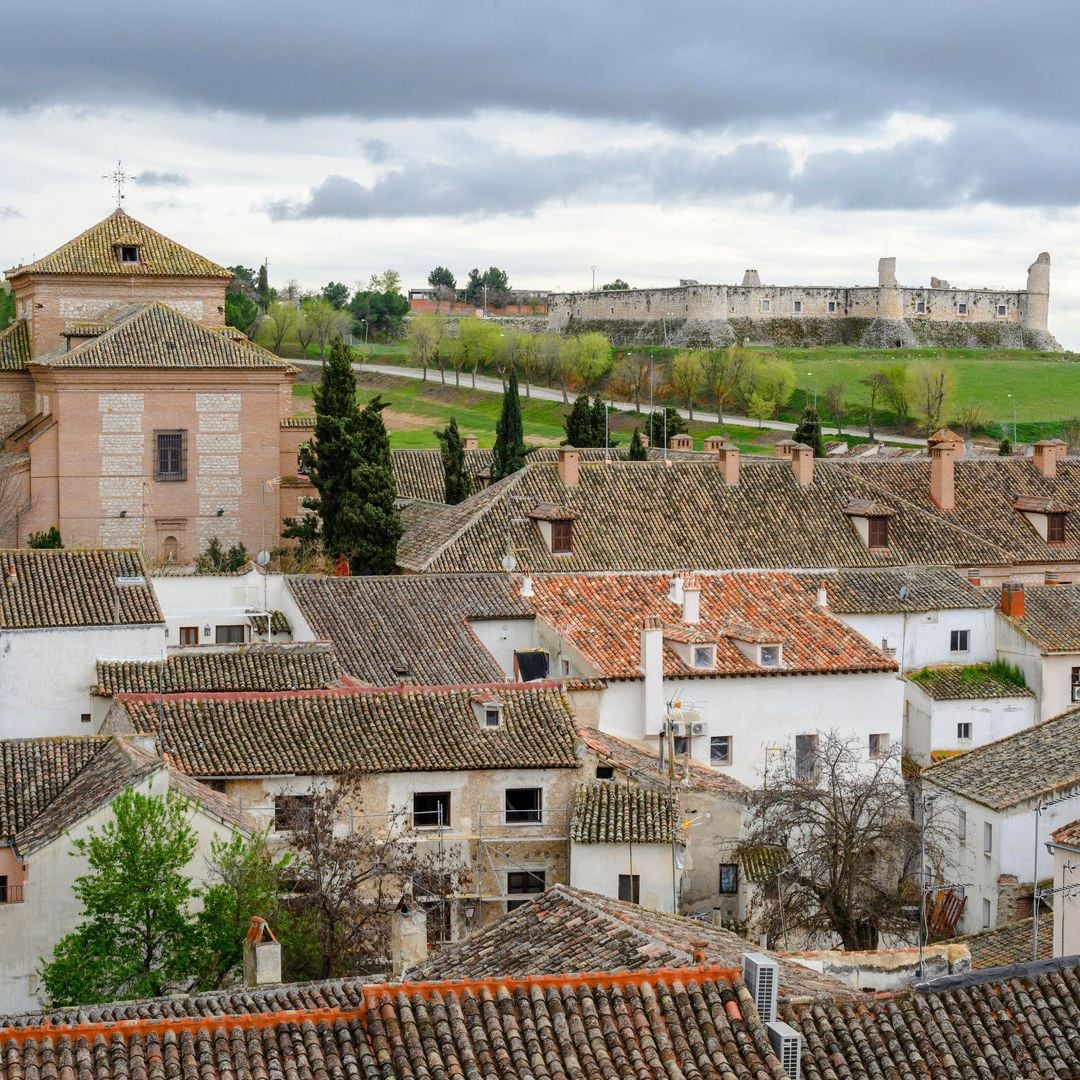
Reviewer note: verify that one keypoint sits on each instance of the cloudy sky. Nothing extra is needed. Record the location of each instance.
(652, 140)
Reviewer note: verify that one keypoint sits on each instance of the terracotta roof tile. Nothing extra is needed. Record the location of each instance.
(409, 629)
(1009, 943)
(15, 346)
(1068, 834)
(1021, 766)
(898, 589)
(158, 336)
(94, 252)
(257, 667)
(601, 616)
(974, 681)
(608, 813)
(47, 587)
(320, 733)
(1051, 617)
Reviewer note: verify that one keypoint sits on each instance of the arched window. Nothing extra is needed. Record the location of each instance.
(170, 549)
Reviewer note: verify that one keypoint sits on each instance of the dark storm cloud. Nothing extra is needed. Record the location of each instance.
(150, 178)
(983, 159)
(695, 64)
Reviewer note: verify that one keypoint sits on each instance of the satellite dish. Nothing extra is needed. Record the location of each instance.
(509, 562)
(263, 558)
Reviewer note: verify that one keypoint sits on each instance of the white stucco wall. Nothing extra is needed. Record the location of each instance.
(29, 931)
(503, 637)
(46, 675)
(1049, 675)
(596, 868)
(923, 638)
(1066, 941)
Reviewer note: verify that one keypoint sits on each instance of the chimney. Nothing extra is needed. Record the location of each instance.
(802, 463)
(1047, 453)
(1012, 599)
(569, 465)
(408, 936)
(713, 443)
(698, 951)
(262, 954)
(942, 484)
(822, 596)
(675, 588)
(691, 600)
(680, 442)
(729, 464)
(470, 442)
(652, 667)
(783, 447)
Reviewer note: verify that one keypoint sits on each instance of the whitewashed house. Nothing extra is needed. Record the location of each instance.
(998, 806)
(55, 791)
(60, 612)
(1064, 845)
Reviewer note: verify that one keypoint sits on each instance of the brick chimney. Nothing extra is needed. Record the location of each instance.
(713, 443)
(470, 442)
(680, 442)
(802, 463)
(1012, 599)
(262, 954)
(569, 465)
(1047, 453)
(942, 482)
(408, 936)
(699, 951)
(691, 600)
(783, 447)
(729, 464)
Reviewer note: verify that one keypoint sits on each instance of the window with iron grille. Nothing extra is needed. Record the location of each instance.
(806, 757)
(729, 878)
(879, 532)
(170, 455)
(562, 537)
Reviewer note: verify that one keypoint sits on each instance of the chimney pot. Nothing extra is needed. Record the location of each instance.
(470, 442)
(1047, 453)
(262, 954)
(729, 464)
(408, 936)
(569, 465)
(698, 951)
(1012, 599)
(691, 600)
(942, 480)
(802, 463)
(680, 442)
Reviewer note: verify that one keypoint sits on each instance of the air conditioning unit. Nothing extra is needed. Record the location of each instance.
(699, 727)
(678, 728)
(1076, 692)
(761, 974)
(787, 1046)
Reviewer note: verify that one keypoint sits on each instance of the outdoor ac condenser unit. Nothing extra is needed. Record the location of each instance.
(699, 728)
(787, 1045)
(678, 728)
(761, 974)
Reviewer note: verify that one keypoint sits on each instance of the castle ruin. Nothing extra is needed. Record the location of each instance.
(889, 315)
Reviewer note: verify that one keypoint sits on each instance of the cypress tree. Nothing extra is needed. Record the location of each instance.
(456, 483)
(379, 523)
(809, 431)
(333, 458)
(637, 447)
(509, 454)
(579, 424)
(599, 422)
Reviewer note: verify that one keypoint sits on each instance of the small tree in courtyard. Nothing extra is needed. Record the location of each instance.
(49, 538)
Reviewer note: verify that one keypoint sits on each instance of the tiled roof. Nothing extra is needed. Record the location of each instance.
(1023, 1026)
(258, 667)
(409, 629)
(1021, 766)
(94, 252)
(14, 346)
(279, 623)
(50, 587)
(655, 516)
(1009, 943)
(158, 336)
(322, 733)
(900, 589)
(609, 813)
(565, 930)
(693, 1023)
(1068, 834)
(601, 616)
(1051, 617)
(950, 683)
(640, 760)
(299, 421)
(49, 785)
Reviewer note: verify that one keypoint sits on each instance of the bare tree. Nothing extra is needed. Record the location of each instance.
(281, 317)
(352, 870)
(932, 387)
(1070, 431)
(836, 402)
(325, 324)
(968, 418)
(876, 382)
(847, 846)
(630, 377)
(14, 506)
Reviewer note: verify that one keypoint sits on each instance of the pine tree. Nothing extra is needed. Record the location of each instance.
(373, 487)
(675, 425)
(579, 423)
(333, 458)
(637, 447)
(809, 431)
(599, 422)
(456, 484)
(509, 454)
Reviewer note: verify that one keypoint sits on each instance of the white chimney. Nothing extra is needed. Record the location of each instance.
(652, 667)
(262, 954)
(822, 596)
(691, 606)
(408, 936)
(675, 588)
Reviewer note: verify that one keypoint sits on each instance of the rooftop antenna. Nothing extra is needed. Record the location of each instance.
(119, 178)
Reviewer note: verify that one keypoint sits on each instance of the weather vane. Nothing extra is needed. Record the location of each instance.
(119, 178)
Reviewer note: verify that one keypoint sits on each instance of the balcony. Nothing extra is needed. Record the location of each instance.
(10, 894)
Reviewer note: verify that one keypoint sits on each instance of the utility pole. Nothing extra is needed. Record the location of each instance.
(925, 802)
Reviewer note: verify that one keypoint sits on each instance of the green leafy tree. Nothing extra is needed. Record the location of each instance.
(241, 313)
(809, 431)
(243, 280)
(896, 391)
(457, 486)
(638, 452)
(479, 343)
(761, 408)
(281, 320)
(594, 360)
(498, 286)
(215, 559)
(579, 423)
(667, 420)
(618, 285)
(7, 307)
(441, 278)
(336, 294)
(137, 938)
(378, 314)
(50, 538)
(600, 434)
(509, 455)
(389, 281)
(474, 288)
(375, 550)
(687, 376)
(424, 333)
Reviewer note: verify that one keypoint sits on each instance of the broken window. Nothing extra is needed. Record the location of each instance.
(720, 750)
(806, 757)
(879, 746)
(431, 809)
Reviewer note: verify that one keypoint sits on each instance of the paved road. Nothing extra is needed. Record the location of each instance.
(545, 393)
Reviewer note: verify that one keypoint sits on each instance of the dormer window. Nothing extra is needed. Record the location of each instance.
(129, 253)
(556, 527)
(704, 657)
(488, 713)
(1045, 515)
(492, 716)
(870, 520)
(1055, 528)
(770, 655)
(879, 532)
(562, 537)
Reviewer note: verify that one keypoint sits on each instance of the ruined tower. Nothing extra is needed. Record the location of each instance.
(890, 300)
(1037, 306)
